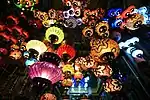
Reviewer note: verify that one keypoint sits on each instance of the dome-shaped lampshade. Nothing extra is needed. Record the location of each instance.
(66, 52)
(78, 75)
(83, 63)
(104, 50)
(55, 35)
(87, 32)
(134, 22)
(103, 70)
(36, 45)
(67, 82)
(68, 70)
(45, 70)
(102, 28)
(48, 96)
(112, 85)
(50, 57)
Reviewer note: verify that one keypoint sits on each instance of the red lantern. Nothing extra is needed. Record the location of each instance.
(65, 49)
(13, 20)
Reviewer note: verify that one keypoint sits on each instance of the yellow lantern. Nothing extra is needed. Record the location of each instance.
(37, 45)
(43, 16)
(16, 54)
(104, 50)
(68, 68)
(112, 85)
(102, 28)
(54, 34)
(103, 70)
(78, 75)
(134, 21)
(87, 32)
(67, 82)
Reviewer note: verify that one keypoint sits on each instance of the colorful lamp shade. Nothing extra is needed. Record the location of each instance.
(104, 50)
(84, 63)
(68, 68)
(67, 82)
(103, 70)
(112, 85)
(78, 75)
(37, 45)
(70, 22)
(87, 32)
(102, 28)
(16, 54)
(30, 62)
(134, 22)
(43, 16)
(14, 47)
(52, 13)
(54, 34)
(45, 70)
(50, 57)
(66, 52)
(48, 96)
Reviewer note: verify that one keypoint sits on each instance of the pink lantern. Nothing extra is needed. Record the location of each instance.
(45, 70)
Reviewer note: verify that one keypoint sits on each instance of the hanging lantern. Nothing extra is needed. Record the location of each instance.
(67, 82)
(84, 63)
(48, 96)
(103, 70)
(23, 46)
(104, 50)
(134, 22)
(14, 47)
(16, 54)
(48, 23)
(36, 13)
(77, 11)
(52, 13)
(68, 70)
(30, 62)
(50, 57)
(43, 16)
(112, 85)
(2, 27)
(78, 75)
(55, 35)
(70, 22)
(45, 70)
(12, 20)
(102, 28)
(66, 52)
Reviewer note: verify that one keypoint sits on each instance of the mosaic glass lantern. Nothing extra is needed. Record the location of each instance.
(87, 32)
(103, 70)
(102, 28)
(112, 85)
(104, 50)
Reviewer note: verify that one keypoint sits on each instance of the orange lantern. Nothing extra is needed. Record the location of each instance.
(43, 16)
(14, 47)
(104, 50)
(83, 63)
(48, 96)
(112, 85)
(52, 13)
(134, 22)
(78, 75)
(103, 70)
(87, 32)
(102, 28)
(67, 82)
(16, 54)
